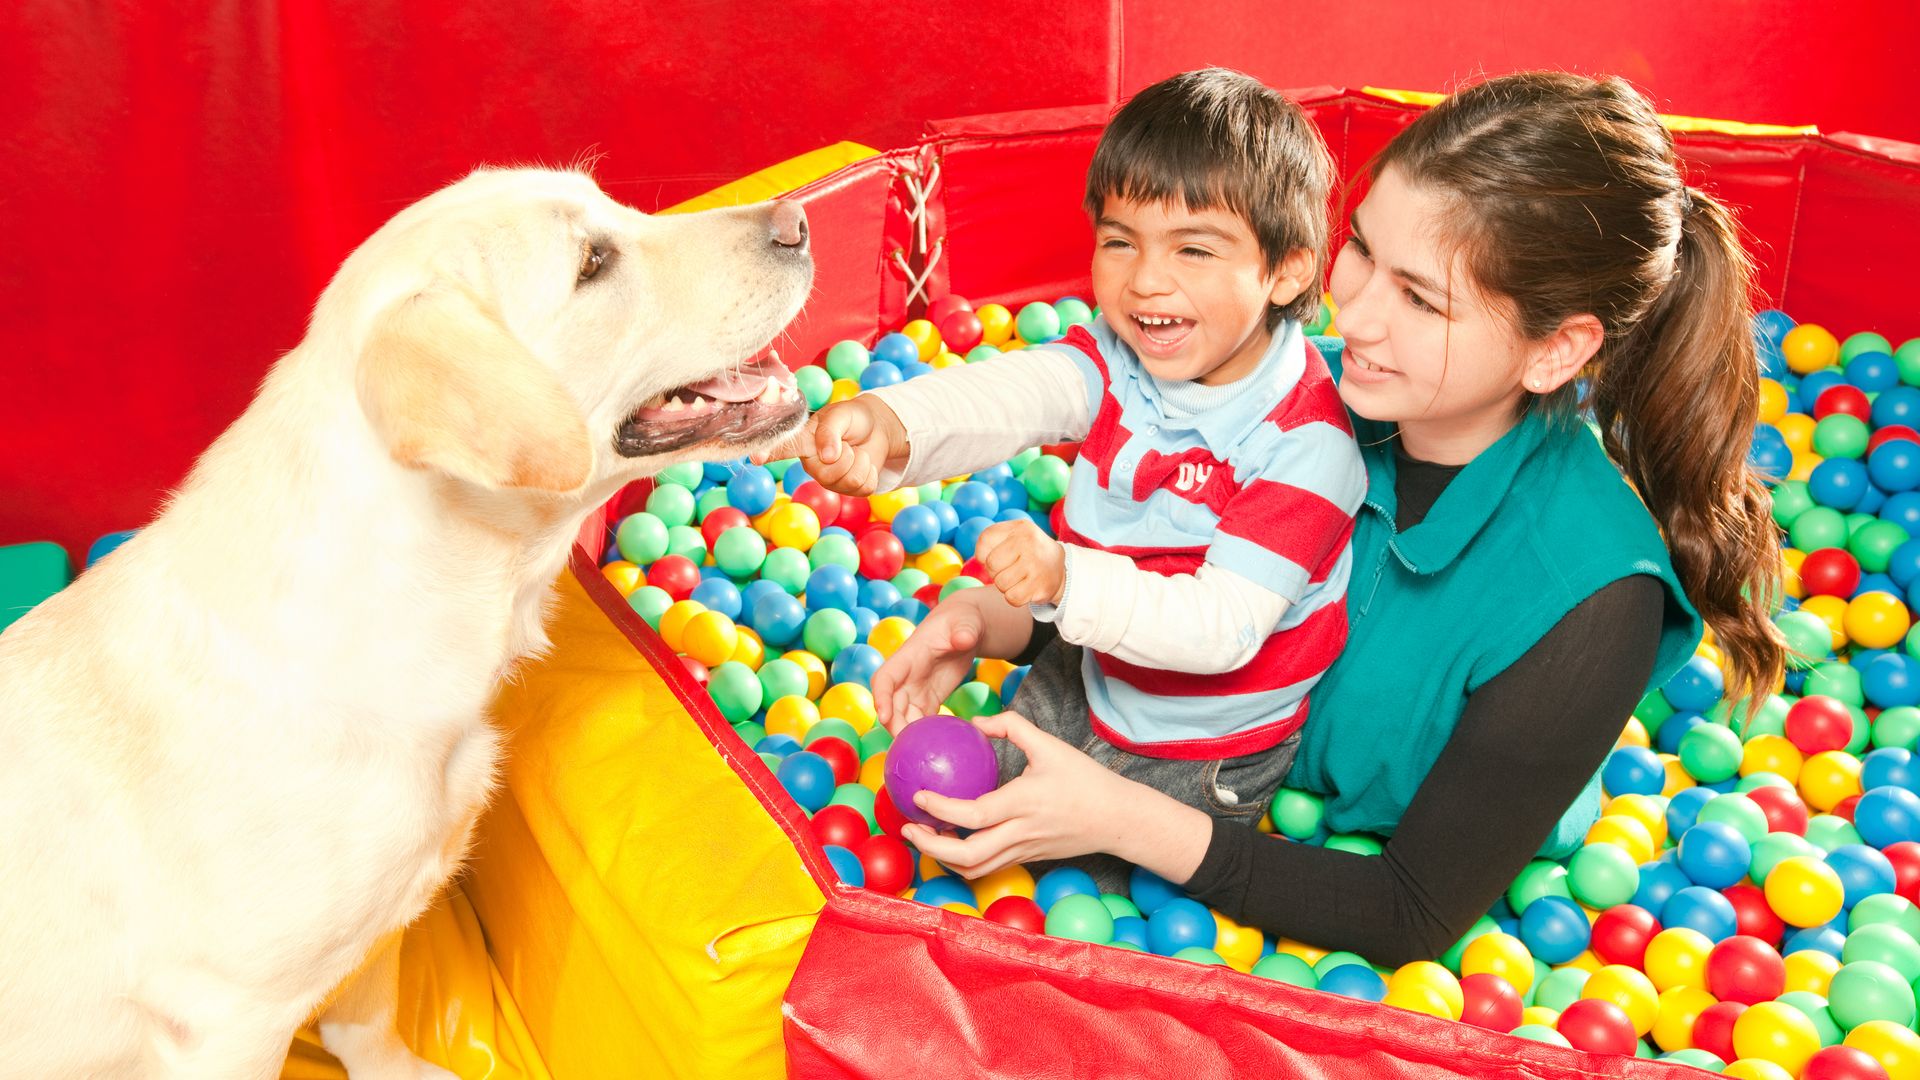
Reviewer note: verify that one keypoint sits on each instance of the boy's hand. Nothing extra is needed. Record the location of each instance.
(1028, 566)
(928, 666)
(844, 446)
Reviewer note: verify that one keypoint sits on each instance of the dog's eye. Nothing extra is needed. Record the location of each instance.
(591, 259)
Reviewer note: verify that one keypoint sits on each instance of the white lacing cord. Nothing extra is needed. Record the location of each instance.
(917, 283)
(918, 192)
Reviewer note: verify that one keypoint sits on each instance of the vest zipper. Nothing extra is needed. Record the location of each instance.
(1380, 566)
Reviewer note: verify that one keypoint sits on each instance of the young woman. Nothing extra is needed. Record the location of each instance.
(1528, 247)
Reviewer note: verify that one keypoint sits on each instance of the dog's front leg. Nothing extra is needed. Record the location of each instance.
(357, 1026)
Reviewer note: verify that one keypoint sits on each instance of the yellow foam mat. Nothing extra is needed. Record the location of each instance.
(1740, 128)
(630, 908)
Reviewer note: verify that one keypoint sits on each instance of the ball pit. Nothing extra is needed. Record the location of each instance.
(1746, 902)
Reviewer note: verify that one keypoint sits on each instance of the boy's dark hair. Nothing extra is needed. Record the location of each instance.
(1217, 139)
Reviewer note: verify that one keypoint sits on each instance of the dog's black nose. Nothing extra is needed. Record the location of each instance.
(788, 224)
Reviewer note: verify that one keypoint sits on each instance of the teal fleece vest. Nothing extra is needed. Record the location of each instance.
(1535, 524)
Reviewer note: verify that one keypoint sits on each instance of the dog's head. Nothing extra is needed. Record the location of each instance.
(520, 329)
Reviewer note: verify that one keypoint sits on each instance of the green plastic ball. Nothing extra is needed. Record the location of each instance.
(1037, 322)
(1759, 780)
(641, 538)
(1125, 946)
(736, 690)
(1602, 875)
(688, 543)
(1561, 988)
(1791, 499)
(1541, 1033)
(1771, 719)
(815, 385)
(1653, 711)
(1481, 926)
(650, 602)
(860, 797)
(782, 678)
(750, 732)
(1019, 462)
(1867, 990)
(686, 474)
(1287, 968)
(739, 551)
(826, 632)
(847, 359)
(981, 352)
(1355, 843)
(788, 568)
(1809, 639)
(1737, 812)
(1541, 877)
(1045, 479)
(1079, 917)
(712, 499)
(1072, 311)
(835, 550)
(1322, 318)
(831, 727)
(1828, 831)
(1837, 680)
(779, 467)
(1898, 726)
(1297, 814)
(1710, 753)
(1820, 527)
(958, 582)
(973, 699)
(1814, 1008)
(910, 581)
(1865, 341)
(1338, 958)
(1200, 954)
(1841, 435)
(1119, 906)
(1692, 1055)
(874, 740)
(1874, 544)
(1769, 850)
(1887, 944)
(672, 504)
(1890, 909)
(1907, 359)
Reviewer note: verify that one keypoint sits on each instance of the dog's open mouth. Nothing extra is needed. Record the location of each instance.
(752, 403)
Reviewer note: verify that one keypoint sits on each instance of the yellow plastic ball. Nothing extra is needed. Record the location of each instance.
(1236, 944)
(1832, 611)
(710, 637)
(791, 715)
(1804, 891)
(873, 771)
(1680, 1007)
(751, 651)
(959, 908)
(1773, 401)
(1312, 954)
(1540, 1014)
(850, 702)
(887, 504)
(673, 622)
(941, 563)
(1790, 583)
(1803, 466)
(1896, 1048)
(844, 389)
(1629, 989)
(1877, 620)
(1829, 778)
(925, 335)
(764, 523)
(993, 673)
(1012, 344)
(1678, 779)
(930, 867)
(623, 576)
(946, 360)
(1677, 956)
(889, 634)
(1775, 1032)
(1418, 998)
(1809, 347)
(996, 323)
(1772, 754)
(815, 668)
(1626, 833)
(1648, 810)
(793, 525)
(1755, 1069)
(1586, 961)
(1810, 970)
(1499, 954)
(1633, 734)
(1007, 881)
(1433, 977)
(1797, 430)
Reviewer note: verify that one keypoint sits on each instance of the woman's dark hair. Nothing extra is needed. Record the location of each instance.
(1566, 199)
(1215, 138)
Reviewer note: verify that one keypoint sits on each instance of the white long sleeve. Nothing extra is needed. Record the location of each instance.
(1205, 623)
(966, 418)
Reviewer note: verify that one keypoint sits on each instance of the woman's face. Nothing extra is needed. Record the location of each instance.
(1425, 349)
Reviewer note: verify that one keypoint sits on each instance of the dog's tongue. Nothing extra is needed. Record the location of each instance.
(744, 385)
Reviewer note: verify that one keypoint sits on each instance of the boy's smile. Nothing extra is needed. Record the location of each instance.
(1188, 290)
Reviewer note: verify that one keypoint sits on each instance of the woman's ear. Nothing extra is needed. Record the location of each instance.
(450, 388)
(1557, 359)
(1292, 277)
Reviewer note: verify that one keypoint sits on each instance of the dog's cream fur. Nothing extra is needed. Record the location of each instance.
(241, 753)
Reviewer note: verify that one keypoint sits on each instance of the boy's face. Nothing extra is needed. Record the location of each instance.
(1187, 289)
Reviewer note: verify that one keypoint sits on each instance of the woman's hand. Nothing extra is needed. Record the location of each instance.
(1064, 804)
(928, 666)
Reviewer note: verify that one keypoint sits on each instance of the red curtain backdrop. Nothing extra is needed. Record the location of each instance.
(178, 180)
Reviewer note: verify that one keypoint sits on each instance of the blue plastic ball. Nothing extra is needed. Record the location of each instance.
(1819, 382)
(1149, 891)
(1063, 881)
(1903, 509)
(880, 373)
(1354, 981)
(909, 609)
(1889, 680)
(856, 664)
(1871, 501)
(777, 745)
(719, 594)
(1903, 566)
(1673, 729)
(1700, 908)
(1131, 929)
(1554, 929)
(913, 369)
(1771, 325)
(1874, 372)
(1893, 766)
(846, 865)
(917, 528)
(1769, 453)
(1894, 467)
(1714, 854)
(1659, 881)
(832, 586)
(1696, 687)
(752, 591)
(1873, 583)
(864, 620)
(1633, 770)
(1830, 939)
(1863, 870)
(949, 519)
(1838, 482)
(1177, 924)
(751, 490)
(808, 778)
(1684, 809)
(878, 595)
(778, 618)
(1010, 686)
(945, 889)
(895, 349)
(791, 480)
(966, 538)
(1885, 815)
(974, 499)
(1011, 493)
(719, 472)
(1899, 405)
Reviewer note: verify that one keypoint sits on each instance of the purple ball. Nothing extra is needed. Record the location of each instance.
(942, 754)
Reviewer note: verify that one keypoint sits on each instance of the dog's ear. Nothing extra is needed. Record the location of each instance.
(449, 387)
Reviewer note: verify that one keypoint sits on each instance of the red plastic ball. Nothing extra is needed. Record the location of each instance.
(1890, 433)
(938, 311)
(1842, 1063)
(1753, 916)
(1621, 933)
(719, 521)
(1598, 1027)
(1844, 808)
(975, 570)
(1819, 723)
(855, 511)
(1713, 1031)
(842, 825)
(887, 861)
(1784, 809)
(1068, 452)
(881, 555)
(674, 574)
(1490, 1002)
(928, 595)
(1850, 400)
(844, 759)
(696, 669)
(1745, 969)
(885, 814)
(1905, 857)
(961, 331)
(824, 504)
(1016, 910)
(1830, 572)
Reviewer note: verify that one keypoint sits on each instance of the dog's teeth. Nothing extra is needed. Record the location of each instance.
(770, 395)
(673, 405)
(699, 404)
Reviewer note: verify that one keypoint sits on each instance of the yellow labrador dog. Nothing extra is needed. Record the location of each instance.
(243, 752)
